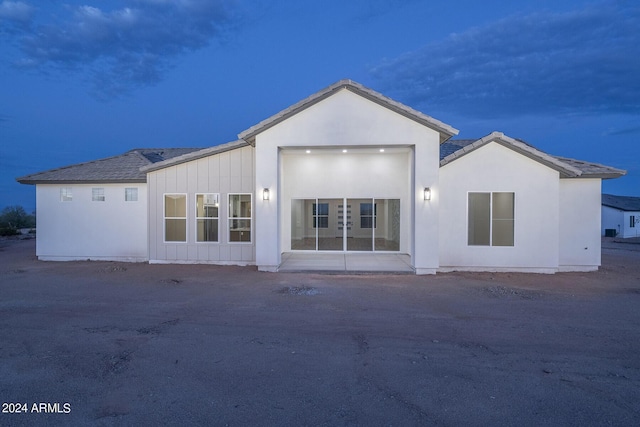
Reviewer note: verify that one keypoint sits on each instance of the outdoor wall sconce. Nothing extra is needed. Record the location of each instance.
(265, 194)
(427, 193)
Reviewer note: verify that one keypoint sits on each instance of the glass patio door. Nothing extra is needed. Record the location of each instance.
(316, 225)
(361, 220)
(361, 225)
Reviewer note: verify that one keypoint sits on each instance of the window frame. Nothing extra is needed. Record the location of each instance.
(97, 194)
(632, 221)
(230, 218)
(316, 216)
(66, 194)
(126, 194)
(165, 218)
(373, 220)
(492, 218)
(205, 218)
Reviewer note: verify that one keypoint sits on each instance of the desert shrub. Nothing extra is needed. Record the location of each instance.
(6, 231)
(15, 217)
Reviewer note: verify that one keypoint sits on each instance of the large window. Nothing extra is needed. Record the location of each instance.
(240, 217)
(207, 217)
(175, 217)
(491, 219)
(320, 215)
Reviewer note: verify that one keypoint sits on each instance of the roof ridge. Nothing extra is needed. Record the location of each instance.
(518, 146)
(446, 131)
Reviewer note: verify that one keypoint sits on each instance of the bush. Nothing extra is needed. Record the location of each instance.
(5, 231)
(15, 217)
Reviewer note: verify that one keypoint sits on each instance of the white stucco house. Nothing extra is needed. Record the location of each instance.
(344, 170)
(620, 216)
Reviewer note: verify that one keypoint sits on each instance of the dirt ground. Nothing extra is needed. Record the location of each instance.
(107, 343)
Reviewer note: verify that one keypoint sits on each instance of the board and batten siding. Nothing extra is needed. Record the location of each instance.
(230, 172)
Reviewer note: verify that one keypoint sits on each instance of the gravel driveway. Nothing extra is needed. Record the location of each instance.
(102, 343)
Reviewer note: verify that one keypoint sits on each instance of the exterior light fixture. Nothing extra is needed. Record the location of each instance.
(308, 151)
(382, 150)
(427, 193)
(344, 151)
(265, 194)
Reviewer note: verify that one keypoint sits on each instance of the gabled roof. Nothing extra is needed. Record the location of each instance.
(446, 131)
(195, 155)
(116, 169)
(623, 203)
(521, 147)
(568, 168)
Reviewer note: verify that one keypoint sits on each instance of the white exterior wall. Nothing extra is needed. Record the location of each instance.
(346, 120)
(612, 218)
(226, 173)
(579, 224)
(81, 229)
(495, 168)
(620, 221)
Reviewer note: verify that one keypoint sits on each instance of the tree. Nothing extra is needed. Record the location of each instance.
(13, 218)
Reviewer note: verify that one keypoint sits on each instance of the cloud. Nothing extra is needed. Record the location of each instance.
(580, 62)
(126, 47)
(624, 131)
(16, 11)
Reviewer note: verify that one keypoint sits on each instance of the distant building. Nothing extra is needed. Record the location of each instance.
(620, 216)
(346, 170)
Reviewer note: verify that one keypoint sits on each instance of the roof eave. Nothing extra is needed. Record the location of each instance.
(25, 180)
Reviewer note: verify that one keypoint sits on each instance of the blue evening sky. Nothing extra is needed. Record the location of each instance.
(81, 80)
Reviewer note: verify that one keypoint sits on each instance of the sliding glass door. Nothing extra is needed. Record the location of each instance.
(362, 225)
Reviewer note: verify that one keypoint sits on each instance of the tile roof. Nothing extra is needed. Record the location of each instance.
(593, 170)
(568, 168)
(122, 168)
(194, 155)
(624, 203)
(446, 131)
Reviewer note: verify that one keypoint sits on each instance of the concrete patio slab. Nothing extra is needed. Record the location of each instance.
(346, 262)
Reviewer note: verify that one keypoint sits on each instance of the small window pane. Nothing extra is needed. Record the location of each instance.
(176, 230)
(240, 206)
(131, 194)
(320, 218)
(240, 230)
(502, 233)
(66, 195)
(97, 194)
(207, 230)
(479, 219)
(502, 205)
(175, 205)
(207, 205)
